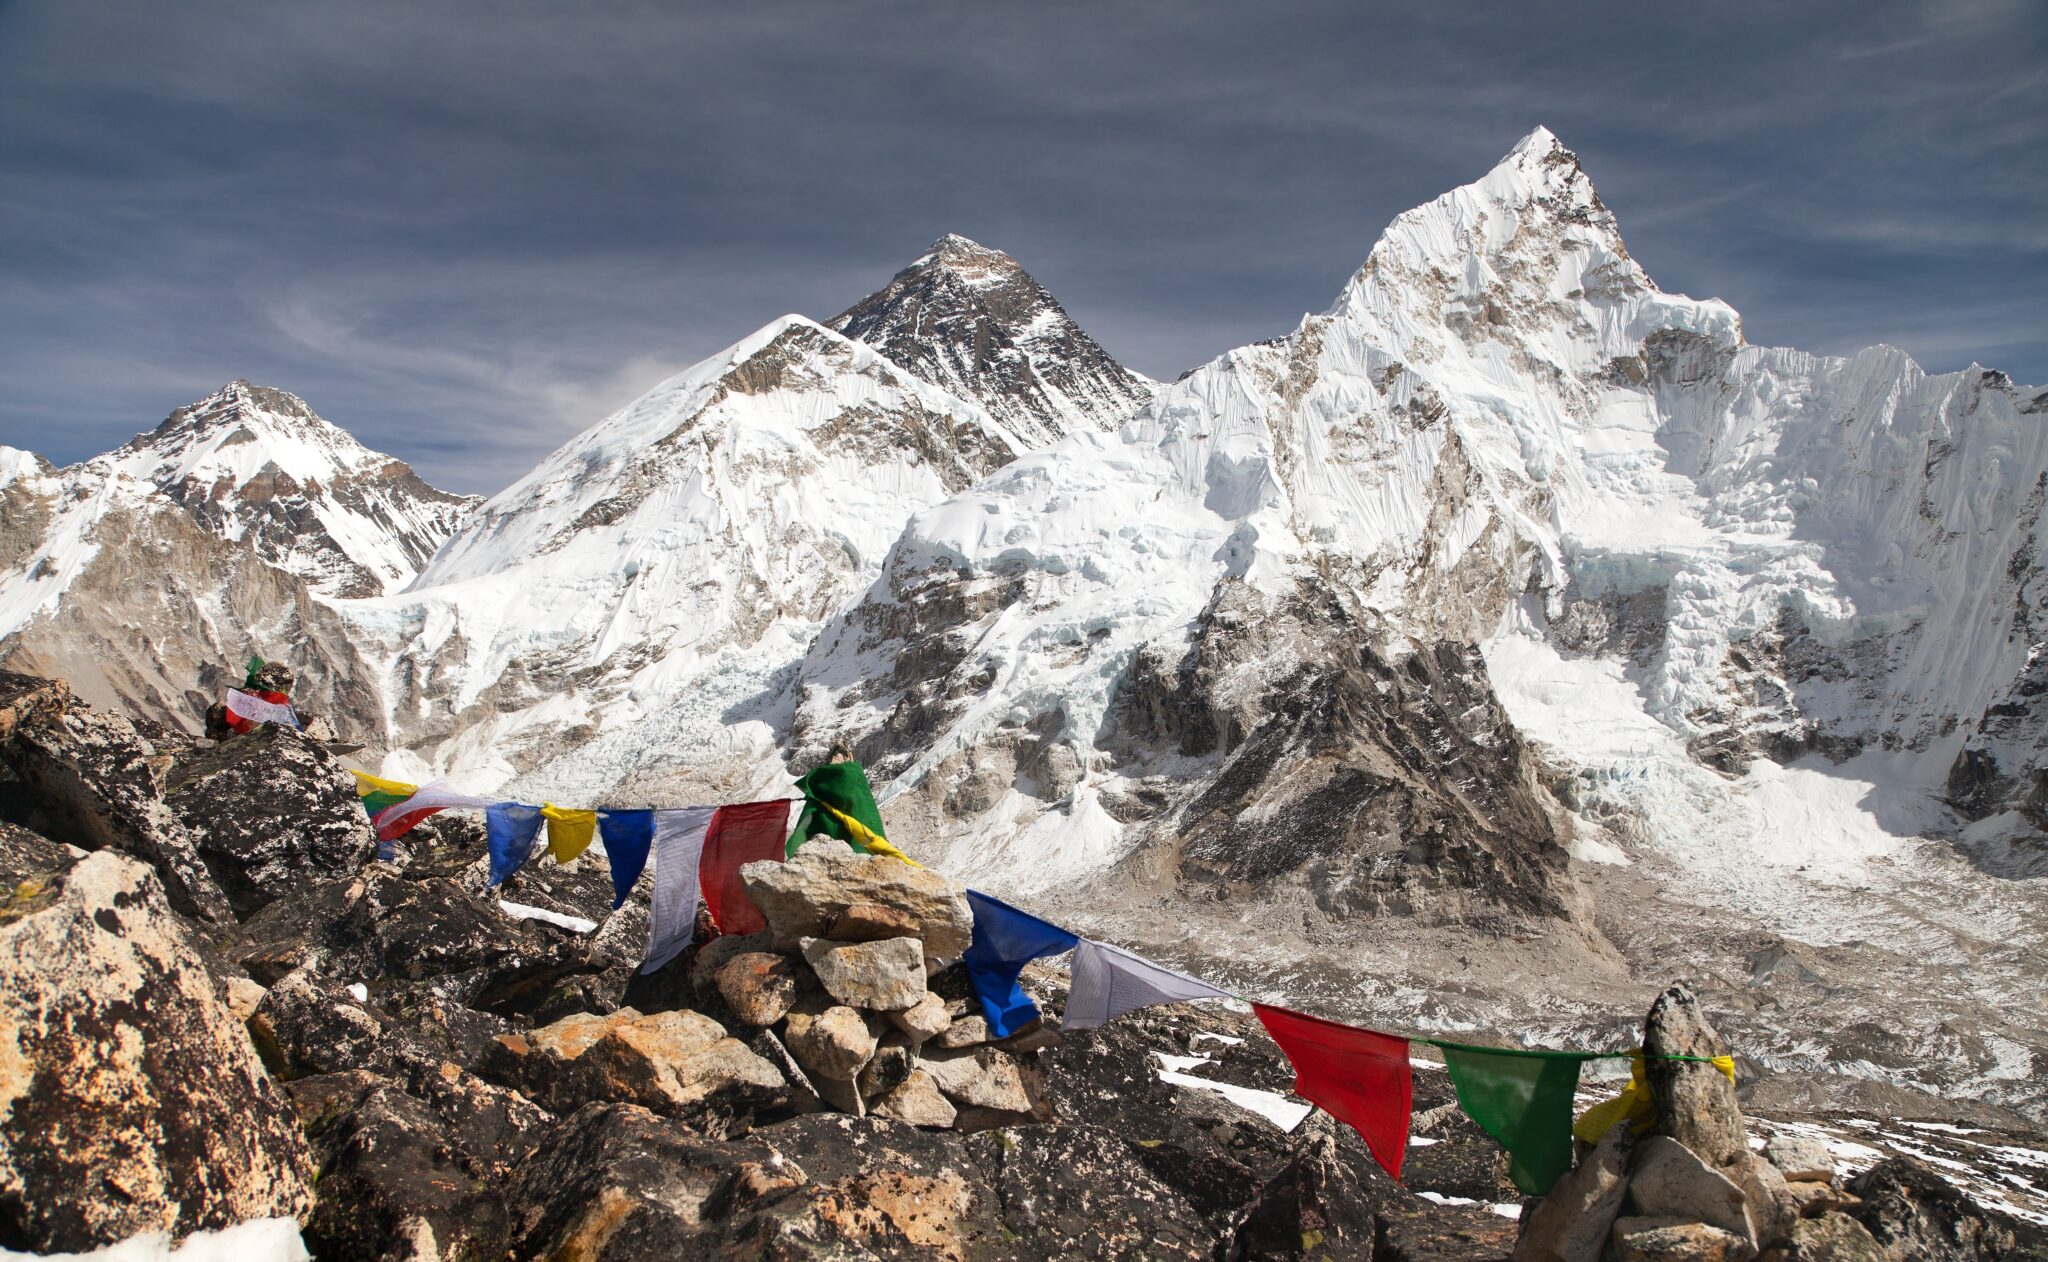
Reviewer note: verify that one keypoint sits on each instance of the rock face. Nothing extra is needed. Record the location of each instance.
(114, 1037)
(969, 320)
(1696, 1102)
(1914, 1213)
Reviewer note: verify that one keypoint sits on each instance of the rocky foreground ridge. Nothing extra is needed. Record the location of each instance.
(216, 1005)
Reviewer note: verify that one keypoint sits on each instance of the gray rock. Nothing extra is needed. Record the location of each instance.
(1670, 1181)
(1804, 1157)
(1915, 1213)
(123, 1073)
(980, 1077)
(307, 1025)
(102, 784)
(1572, 1223)
(1772, 1207)
(966, 1031)
(804, 897)
(1696, 1103)
(887, 1068)
(1828, 1238)
(883, 976)
(917, 1100)
(1666, 1240)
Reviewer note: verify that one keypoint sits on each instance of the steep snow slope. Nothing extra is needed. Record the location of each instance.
(259, 465)
(698, 535)
(971, 321)
(1136, 654)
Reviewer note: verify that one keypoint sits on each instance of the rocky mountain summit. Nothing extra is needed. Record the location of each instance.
(221, 1006)
(971, 321)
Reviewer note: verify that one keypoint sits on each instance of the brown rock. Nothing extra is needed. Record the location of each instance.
(759, 986)
(1771, 1205)
(887, 1068)
(680, 1064)
(916, 1100)
(980, 1078)
(130, 1097)
(716, 954)
(923, 1019)
(832, 1044)
(243, 996)
(1669, 1181)
(1696, 1103)
(884, 976)
(1814, 1198)
(968, 1031)
(1572, 1223)
(871, 922)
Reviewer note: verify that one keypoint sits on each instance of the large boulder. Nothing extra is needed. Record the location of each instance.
(1915, 1213)
(130, 1097)
(1671, 1182)
(884, 975)
(806, 896)
(101, 783)
(272, 812)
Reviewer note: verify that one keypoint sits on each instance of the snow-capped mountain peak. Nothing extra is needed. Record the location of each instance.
(971, 320)
(258, 465)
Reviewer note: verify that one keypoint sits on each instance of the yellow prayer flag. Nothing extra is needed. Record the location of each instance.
(869, 840)
(569, 832)
(1634, 1103)
(366, 784)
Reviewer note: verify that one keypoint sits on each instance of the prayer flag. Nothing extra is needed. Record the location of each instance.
(1005, 940)
(569, 832)
(377, 793)
(397, 820)
(863, 839)
(678, 845)
(1360, 1077)
(739, 835)
(1636, 1103)
(1524, 1100)
(627, 837)
(511, 829)
(842, 786)
(269, 707)
(1109, 981)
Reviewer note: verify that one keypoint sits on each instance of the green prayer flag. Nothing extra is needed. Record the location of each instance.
(1525, 1101)
(249, 676)
(843, 786)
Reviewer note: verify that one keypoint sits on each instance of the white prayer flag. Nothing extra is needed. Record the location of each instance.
(678, 846)
(436, 796)
(1108, 981)
(255, 709)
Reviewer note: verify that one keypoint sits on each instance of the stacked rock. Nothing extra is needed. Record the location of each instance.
(1693, 1190)
(839, 988)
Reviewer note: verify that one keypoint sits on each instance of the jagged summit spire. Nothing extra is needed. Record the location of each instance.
(970, 320)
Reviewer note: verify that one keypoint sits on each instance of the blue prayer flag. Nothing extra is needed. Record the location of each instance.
(511, 828)
(627, 836)
(1005, 940)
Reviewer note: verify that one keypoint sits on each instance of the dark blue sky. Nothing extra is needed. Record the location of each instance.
(467, 230)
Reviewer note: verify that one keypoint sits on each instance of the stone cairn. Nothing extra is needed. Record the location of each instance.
(1692, 1189)
(831, 1007)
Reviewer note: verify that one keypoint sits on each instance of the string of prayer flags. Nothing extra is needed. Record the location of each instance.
(1524, 1099)
(739, 835)
(269, 708)
(1005, 940)
(569, 832)
(678, 844)
(397, 820)
(628, 835)
(842, 788)
(511, 830)
(1361, 1078)
(1109, 981)
(376, 792)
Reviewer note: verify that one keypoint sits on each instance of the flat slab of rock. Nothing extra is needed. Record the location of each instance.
(1801, 1157)
(1671, 1182)
(881, 976)
(1572, 1223)
(806, 896)
(679, 1064)
(130, 1098)
(1667, 1240)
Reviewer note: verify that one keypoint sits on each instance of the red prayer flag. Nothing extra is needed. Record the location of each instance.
(739, 835)
(1356, 1076)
